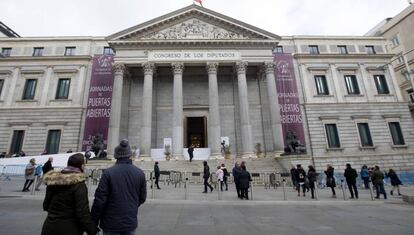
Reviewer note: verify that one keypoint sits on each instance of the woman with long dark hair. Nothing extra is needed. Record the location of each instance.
(330, 179)
(66, 200)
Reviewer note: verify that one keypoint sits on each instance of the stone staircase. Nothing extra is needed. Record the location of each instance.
(253, 165)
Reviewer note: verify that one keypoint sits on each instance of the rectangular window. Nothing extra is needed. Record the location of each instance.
(313, 49)
(400, 59)
(108, 51)
(6, 52)
(321, 85)
(352, 84)
(396, 133)
(342, 50)
(62, 91)
(279, 49)
(70, 51)
(38, 51)
(17, 141)
(365, 135)
(332, 136)
(381, 84)
(406, 76)
(53, 141)
(1, 85)
(370, 50)
(395, 41)
(411, 95)
(29, 89)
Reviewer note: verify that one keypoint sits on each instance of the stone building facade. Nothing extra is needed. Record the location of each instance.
(196, 76)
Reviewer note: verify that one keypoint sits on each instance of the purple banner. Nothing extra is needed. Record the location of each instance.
(99, 101)
(290, 110)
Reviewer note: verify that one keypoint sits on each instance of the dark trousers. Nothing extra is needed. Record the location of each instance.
(206, 184)
(353, 189)
(333, 191)
(303, 187)
(225, 183)
(27, 184)
(237, 189)
(312, 188)
(191, 157)
(380, 189)
(244, 193)
(366, 182)
(157, 178)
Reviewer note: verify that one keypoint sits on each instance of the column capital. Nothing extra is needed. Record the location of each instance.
(241, 66)
(119, 68)
(269, 67)
(177, 67)
(212, 67)
(149, 68)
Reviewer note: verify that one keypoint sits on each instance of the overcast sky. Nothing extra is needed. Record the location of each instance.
(282, 17)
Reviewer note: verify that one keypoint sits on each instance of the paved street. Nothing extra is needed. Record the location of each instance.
(267, 213)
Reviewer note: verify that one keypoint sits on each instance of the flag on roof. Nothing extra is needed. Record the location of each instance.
(199, 1)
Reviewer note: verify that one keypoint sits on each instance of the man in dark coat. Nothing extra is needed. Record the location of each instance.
(236, 175)
(156, 174)
(121, 190)
(206, 176)
(350, 176)
(245, 179)
(66, 201)
(378, 181)
(190, 151)
(300, 176)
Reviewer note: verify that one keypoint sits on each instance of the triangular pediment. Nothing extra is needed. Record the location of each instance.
(192, 23)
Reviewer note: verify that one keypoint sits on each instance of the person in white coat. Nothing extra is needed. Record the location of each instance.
(220, 175)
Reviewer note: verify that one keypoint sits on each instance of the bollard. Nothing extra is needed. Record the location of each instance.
(371, 190)
(34, 185)
(284, 189)
(187, 190)
(316, 190)
(343, 189)
(152, 188)
(219, 189)
(251, 191)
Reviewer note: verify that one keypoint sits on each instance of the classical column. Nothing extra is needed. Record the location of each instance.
(47, 76)
(367, 84)
(145, 147)
(177, 135)
(214, 109)
(115, 119)
(246, 129)
(336, 83)
(274, 107)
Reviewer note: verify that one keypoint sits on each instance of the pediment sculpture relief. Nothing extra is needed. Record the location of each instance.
(195, 29)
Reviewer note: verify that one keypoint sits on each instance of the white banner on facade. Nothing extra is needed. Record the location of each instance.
(217, 55)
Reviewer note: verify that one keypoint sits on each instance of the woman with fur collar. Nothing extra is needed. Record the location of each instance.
(66, 200)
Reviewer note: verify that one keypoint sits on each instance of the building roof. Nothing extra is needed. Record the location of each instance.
(8, 31)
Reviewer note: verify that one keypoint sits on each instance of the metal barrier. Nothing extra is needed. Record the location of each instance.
(9, 171)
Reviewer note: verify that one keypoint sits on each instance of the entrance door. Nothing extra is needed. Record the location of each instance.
(196, 132)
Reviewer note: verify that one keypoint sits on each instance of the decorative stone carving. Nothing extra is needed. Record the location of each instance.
(195, 29)
(269, 67)
(149, 68)
(119, 68)
(241, 66)
(178, 68)
(212, 67)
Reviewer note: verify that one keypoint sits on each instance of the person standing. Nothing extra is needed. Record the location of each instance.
(220, 176)
(350, 176)
(121, 191)
(236, 176)
(66, 201)
(365, 176)
(29, 175)
(330, 179)
(293, 177)
(45, 169)
(225, 175)
(245, 179)
(395, 181)
(206, 176)
(312, 179)
(300, 175)
(190, 151)
(157, 174)
(378, 181)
